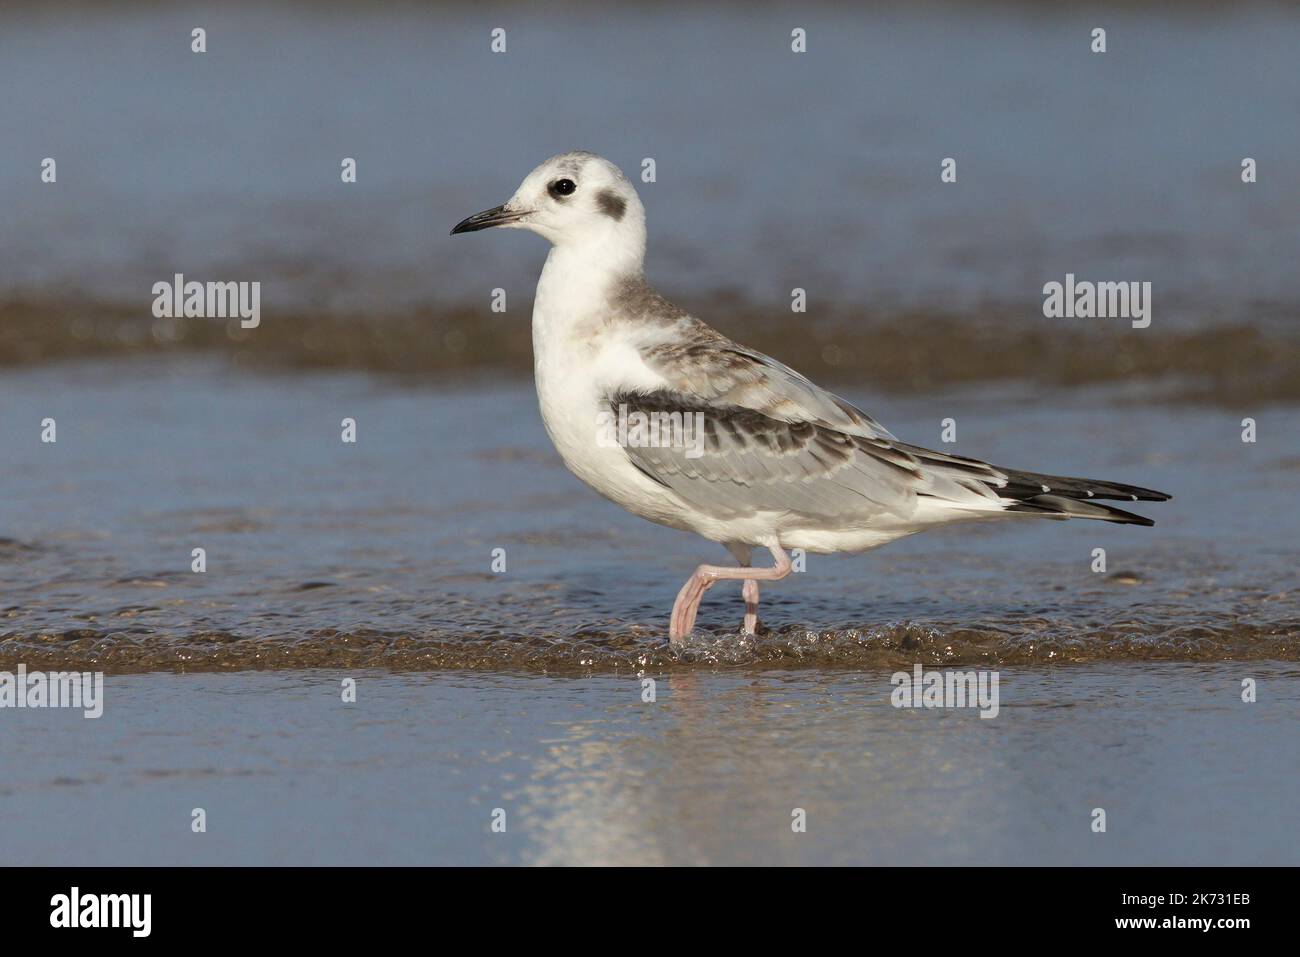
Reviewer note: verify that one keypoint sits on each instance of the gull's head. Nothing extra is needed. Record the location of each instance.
(575, 199)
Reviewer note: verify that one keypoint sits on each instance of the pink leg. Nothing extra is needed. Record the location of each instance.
(750, 591)
(688, 599)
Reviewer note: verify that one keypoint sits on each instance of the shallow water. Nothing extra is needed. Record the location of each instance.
(711, 772)
(380, 553)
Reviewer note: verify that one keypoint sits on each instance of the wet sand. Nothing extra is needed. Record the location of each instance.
(1223, 364)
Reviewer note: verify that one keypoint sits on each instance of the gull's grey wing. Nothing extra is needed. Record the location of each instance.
(707, 365)
(771, 440)
(774, 441)
(732, 461)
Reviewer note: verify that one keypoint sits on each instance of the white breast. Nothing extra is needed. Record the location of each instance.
(579, 360)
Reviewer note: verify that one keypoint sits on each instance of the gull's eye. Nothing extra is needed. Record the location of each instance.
(562, 187)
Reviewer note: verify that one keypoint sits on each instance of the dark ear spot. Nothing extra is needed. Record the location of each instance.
(611, 205)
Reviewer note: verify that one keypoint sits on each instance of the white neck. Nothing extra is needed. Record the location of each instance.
(578, 277)
(616, 250)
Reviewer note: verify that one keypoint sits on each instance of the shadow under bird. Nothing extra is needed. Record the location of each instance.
(778, 463)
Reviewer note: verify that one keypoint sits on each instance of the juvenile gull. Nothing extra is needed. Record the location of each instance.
(781, 462)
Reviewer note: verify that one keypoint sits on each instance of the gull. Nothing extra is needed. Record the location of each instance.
(777, 462)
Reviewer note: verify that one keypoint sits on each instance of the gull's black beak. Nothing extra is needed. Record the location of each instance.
(496, 216)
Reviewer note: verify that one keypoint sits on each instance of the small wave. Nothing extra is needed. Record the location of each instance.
(892, 646)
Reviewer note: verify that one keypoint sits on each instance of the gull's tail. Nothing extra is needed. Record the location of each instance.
(1055, 496)
(957, 483)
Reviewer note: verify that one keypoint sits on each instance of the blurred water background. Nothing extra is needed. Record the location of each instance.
(774, 170)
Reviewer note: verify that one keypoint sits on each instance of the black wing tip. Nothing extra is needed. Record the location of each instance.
(1130, 519)
(1060, 510)
(1145, 494)
(1029, 484)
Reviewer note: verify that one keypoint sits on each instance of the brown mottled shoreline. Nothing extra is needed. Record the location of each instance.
(1224, 364)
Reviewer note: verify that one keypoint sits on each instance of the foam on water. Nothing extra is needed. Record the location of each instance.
(891, 646)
